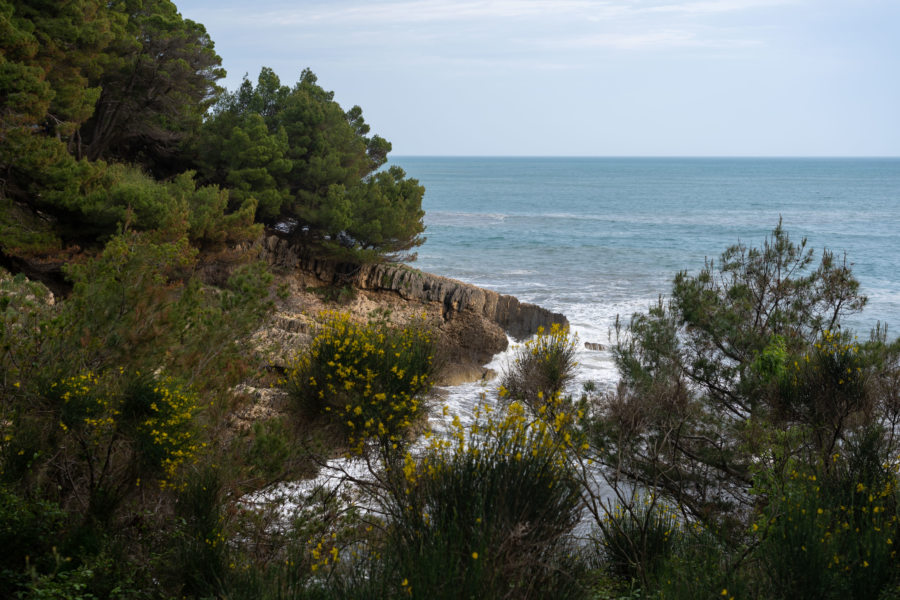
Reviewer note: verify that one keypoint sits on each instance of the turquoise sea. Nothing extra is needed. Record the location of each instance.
(598, 237)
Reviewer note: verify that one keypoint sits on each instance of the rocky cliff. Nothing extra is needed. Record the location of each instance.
(473, 322)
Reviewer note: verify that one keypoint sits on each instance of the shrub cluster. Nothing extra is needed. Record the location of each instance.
(768, 429)
(746, 460)
(637, 536)
(110, 401)
(151, 418)
(370, 378)
(483, 509)
(828, 531)
(485, 513)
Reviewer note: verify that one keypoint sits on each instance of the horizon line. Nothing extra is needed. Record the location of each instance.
(704, 156)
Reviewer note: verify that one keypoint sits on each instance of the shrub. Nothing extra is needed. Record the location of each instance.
(370, 379)
(139, 294)
(825, 389)
(486, 513)
(96, 438)
(269, 452)
(636, 537)
(829, 532)
(645, 541)
(29, 529)
(200, 548)
(541, 368)
(703, 375)
(702, 567)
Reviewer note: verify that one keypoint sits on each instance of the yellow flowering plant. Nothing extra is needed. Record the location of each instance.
(485, 510)
(541, 368)
(369, 378)
(822, 530)
(825, 387)
(117, 431)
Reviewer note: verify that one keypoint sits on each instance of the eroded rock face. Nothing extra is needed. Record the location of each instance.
(518, 319)
(473, 322)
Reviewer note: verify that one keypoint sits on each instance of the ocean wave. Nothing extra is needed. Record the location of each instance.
(613, 216)
(443, 217)
(762, 219)
(519, 272)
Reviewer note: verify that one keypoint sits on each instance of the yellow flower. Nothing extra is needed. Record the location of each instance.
(475, 555)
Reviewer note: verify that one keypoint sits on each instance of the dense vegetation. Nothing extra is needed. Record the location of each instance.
(748, 452)
(751, 442)
(105, 124)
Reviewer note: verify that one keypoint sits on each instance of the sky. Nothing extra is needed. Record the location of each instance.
(586, 77)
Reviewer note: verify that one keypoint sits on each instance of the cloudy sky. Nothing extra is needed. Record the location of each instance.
(587, 77)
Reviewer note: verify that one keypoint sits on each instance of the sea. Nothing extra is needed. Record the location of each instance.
(602, 238)
(598, 239)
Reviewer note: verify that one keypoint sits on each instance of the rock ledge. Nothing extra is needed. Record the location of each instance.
(472, 321)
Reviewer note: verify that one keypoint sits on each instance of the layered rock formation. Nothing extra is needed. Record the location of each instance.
(473, 322)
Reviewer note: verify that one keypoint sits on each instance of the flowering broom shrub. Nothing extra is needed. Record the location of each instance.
(542, 367)
(637, 536)
(369, 378)
(825, 387)
(95, 436)
(830, 532)
(485, 512)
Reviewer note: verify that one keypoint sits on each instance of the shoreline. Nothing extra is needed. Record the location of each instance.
(472, 322)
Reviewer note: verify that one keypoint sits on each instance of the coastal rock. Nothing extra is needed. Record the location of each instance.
(260, 404)
(518, 319)
(472, 322)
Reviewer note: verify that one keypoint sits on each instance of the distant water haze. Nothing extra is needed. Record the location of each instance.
(593, 238)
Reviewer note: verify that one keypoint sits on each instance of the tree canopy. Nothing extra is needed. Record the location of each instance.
(307, 161)
(111, 117)
(131, 184)
(748, 349)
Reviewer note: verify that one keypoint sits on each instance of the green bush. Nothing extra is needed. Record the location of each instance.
(94, 439)
(829, 532)
(825, 389)
(636, 537)
(645, 541)
(486, 514)
(29, 530)
(200, 549)
(370, 379)
(541, 368)
(708, 376)
(703, 568)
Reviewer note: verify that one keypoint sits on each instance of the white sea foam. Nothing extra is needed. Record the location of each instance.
(464, 218)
